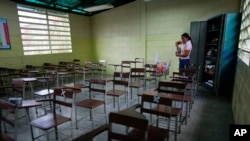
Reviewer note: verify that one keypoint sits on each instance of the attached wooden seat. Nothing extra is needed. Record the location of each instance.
(90, 103)
(49, 121)
(117, 93)
(5, 137)
(164, 110)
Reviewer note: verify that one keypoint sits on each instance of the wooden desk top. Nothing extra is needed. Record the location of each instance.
(29, 104)
(4, 74)
(76, 87)
(5, 137)
(131, 111)
(27, 79)
(176, 97)
(116, 65)
(62, 73)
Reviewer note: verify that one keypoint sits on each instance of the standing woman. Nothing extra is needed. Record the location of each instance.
(184, 48)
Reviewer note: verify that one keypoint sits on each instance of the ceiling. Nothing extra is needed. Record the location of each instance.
(83, 7)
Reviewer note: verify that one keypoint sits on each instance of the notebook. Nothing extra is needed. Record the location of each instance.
(16, 100)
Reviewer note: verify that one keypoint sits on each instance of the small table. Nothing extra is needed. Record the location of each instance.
(76, 86)
(26, 104)
(115, 66)
(27, 80)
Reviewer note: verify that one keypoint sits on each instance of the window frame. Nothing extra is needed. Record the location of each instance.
(44, 31)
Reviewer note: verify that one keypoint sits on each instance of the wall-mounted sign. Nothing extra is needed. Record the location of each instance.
(4, 35)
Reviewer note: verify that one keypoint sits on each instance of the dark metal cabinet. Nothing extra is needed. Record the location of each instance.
(220, 53)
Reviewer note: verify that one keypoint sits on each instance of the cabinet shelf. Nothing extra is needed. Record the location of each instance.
(210, 58)
(212, 44)
(213, 30)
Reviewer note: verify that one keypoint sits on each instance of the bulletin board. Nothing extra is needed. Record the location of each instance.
(4, 34)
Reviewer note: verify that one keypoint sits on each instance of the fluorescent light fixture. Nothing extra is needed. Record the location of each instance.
(99, 7)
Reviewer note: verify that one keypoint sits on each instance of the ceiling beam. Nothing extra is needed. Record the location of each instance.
(77, 5)
(52, 2)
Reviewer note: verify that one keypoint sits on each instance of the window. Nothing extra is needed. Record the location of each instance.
(44, 31)
(244, 41)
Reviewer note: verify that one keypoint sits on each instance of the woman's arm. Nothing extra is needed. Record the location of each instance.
(184, 54)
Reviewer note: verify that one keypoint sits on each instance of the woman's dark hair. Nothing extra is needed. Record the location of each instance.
(186, 35)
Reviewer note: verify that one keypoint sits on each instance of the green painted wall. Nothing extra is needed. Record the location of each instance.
(241, 94)
(14, 58)
(142, 29)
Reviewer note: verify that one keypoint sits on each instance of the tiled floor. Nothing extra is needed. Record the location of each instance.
(209, 120)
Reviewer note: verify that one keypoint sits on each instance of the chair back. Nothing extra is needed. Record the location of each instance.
(190, 73)
(197, 67)
(171, 87)
(102, 67)
(60, 98)
(139, 61)
(156, 100)
(8, 108)
(138, 76)
(125, 66)
(137, 72)
(17, 87)
(30, 67)
(150, 68)
(64, 92)
(76, 61)
(121, 78)
(102, 85)
(97, 85)
(129, 122)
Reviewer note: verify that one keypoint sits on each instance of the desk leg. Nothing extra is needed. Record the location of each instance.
(24, 91)
(57, 80)
(74, 109)
(27, 115)
(31, 87)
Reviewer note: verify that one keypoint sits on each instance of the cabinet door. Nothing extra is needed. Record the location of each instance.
(198, 36)
(228, 54)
